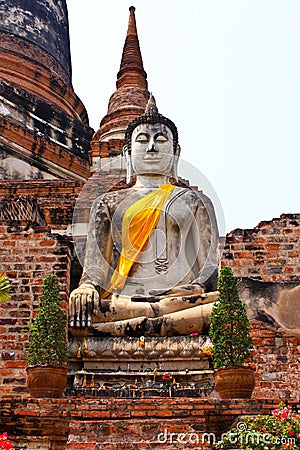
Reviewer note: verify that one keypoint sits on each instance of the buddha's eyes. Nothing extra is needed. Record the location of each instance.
(144, 138)
(160, 138)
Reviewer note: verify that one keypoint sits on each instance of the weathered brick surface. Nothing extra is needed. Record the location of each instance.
(55, 198)
(269, 252)
(37, 76)
(45, 125)
(26, 257)
(123, 423)
(41, 150)
(277, 364)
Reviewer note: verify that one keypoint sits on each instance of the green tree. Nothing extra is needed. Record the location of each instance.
(5, 288)
(230, 326)
(47, 339)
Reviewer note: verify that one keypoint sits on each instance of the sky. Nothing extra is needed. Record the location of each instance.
(227, 72)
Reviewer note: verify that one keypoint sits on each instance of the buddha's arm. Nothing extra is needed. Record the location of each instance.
(96, 266)
(206, 237)
(98, 247)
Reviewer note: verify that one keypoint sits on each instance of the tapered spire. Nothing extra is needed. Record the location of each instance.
(151, 108)
(126, 103)
(132, 71)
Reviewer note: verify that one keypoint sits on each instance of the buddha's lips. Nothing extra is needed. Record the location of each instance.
(156, 158)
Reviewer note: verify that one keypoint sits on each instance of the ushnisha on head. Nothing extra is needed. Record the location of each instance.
(151, 116)
(151, 144)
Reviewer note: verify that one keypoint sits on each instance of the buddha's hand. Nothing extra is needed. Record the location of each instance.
(81, 305)
(179, 291)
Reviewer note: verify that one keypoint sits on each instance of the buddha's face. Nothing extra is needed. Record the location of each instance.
(152, 149)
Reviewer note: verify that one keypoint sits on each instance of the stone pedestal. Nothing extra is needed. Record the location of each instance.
(137, 362)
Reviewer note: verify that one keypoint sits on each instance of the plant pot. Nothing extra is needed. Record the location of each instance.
(46, 381)
(234, 382)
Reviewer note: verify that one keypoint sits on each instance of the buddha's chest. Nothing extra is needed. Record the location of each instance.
(176, 217)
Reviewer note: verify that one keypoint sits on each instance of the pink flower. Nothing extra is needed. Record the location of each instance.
(5, 444)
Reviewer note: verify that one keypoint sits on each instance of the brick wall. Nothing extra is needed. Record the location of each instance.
(26, 256)
(269, 252)
(277, 364)
(110, 423)
(55, 198)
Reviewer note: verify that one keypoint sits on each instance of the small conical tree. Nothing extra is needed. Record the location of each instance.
(47, 339)
(230, 326)
(5, 288)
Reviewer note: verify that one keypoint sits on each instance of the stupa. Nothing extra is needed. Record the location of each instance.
(45, 132)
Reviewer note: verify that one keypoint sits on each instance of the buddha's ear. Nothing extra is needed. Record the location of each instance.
(129, 170)
(174, 172)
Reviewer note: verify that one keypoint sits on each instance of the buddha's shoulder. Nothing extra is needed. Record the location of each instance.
(187, 194)
(112, 197)
(192, 194)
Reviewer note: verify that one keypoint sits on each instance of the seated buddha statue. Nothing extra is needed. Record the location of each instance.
(151, 259)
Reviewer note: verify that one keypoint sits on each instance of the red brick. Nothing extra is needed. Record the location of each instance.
(47, 243)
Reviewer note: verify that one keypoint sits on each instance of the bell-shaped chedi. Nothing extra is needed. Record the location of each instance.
(126, 103)
(44, 129)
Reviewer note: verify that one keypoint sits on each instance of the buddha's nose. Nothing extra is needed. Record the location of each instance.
(152, 146)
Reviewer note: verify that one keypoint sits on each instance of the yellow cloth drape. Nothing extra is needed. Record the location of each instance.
(139, 221)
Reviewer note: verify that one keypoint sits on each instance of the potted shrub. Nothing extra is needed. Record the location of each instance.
(47, 351)
(232, 343)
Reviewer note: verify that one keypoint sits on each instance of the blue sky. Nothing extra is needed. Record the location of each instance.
(227, 73)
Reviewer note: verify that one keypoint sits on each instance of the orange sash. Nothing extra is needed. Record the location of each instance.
(138, 222)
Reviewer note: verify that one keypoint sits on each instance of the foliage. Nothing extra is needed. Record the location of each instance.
(47, 340)
(5, 443)
(277, 431)
(230, 326)
(5, 288)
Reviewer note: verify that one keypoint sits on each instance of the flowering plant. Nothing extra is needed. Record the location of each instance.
(5, 443)
(167, 379)
(208, 347)
(280, 430)
(207, 350)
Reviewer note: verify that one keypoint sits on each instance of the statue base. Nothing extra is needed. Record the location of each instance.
(140, 366)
